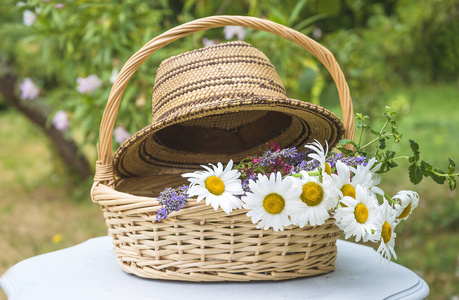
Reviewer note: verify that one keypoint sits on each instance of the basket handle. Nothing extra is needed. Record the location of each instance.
(129, 68)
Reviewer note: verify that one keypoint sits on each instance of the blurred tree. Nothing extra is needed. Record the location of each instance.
(72, 52)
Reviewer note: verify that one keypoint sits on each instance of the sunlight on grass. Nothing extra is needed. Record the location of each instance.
(36, 200)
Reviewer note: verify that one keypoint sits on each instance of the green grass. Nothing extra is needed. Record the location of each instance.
(37, 201)
(428, 242)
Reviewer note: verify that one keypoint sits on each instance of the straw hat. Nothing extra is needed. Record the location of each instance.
(219, 103)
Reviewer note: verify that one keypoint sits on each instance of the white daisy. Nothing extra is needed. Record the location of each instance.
(366, 176)
(342, 180)
(387, 231)
(271, 201)
(316, 199)
(359, 217)
(217, 186)
(319, 154)
(407, 201)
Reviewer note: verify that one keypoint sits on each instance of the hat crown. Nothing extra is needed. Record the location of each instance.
(204, 77)
(219, 103)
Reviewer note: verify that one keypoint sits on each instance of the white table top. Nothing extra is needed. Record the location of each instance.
(90, 271)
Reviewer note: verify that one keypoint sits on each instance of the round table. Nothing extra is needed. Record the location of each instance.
(90, 271)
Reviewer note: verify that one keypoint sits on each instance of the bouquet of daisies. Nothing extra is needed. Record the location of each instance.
(283, 187)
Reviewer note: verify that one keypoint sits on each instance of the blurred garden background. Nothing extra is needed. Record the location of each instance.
(58, 61)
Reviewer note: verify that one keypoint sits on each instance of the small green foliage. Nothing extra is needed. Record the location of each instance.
(382, 144)
(361, 120)
(452, 182)
(415, 170)
(426, 168)
(415, 173)
(415, 148)
(418, 168)
(451, 166)
(344, 142)
(437, 175)
(387, 161)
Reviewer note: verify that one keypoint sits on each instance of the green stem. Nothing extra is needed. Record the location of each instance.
(387, 197)
(310, 173)
(399, 157)
(384, 127)
(444, 175)
(361, 135)
(376, 139)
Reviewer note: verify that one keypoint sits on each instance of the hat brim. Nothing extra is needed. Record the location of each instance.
(167, 147)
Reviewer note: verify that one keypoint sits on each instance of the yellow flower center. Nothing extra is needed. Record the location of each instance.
(386, 232)
(312, 194)
(348, 190)
(327, 169)
(274, 203)
(405, 212)
(361, 213)
(215, 185)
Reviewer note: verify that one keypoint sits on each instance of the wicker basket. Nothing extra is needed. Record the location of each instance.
(197, 243)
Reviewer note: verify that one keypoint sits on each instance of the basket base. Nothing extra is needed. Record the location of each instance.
(200, 244)
(170, 274)
(323, 264)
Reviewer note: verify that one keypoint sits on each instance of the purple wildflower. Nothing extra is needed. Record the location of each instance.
(332, 157)
(306, 165)
(89, 84)
(171, 200)
(29, 90)
(28, 18)
(299, 158)
(271, 157)
(60, 121)
(351, 161)
(245, 183)
(121, 134)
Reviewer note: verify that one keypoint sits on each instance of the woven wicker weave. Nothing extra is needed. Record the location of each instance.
(219, 103)
(197, 243)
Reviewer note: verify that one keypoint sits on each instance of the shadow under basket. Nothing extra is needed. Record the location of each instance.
(199, 244)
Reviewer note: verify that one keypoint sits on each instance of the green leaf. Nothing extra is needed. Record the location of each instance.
(397, 135)
(415, 173)
(307, 22)
(382, 144)
(452, 183)
(451, 166)
(387, 161)
(377, 133)
(306, 81)
(426, 168)
(361, 120)
(389, 113)
(345, 151)
(277, 16)
(329, 95)
(329, 7)
(346, 141)
(438, 179)
(296, 11)
(415, 148)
